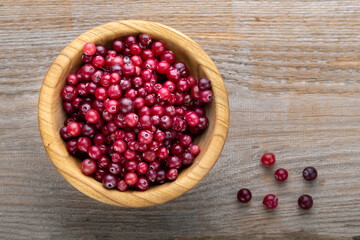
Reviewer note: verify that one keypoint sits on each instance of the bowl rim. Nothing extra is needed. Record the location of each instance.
(54, 145)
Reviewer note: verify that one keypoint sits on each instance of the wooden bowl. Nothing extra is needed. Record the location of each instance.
(51, 114)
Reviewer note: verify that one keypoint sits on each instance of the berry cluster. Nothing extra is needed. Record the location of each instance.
(133, 112)
(271, 201)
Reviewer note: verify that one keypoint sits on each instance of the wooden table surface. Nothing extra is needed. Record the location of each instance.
(292, 72)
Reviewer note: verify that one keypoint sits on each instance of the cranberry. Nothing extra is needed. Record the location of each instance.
(89, 49)
(162, 153)
(98, 61)
(145, 137)
(149, 156)
(68, 93)
(88, 166)
(161, 176)
(142, 184)
(131, 178)
(100, 174)
(173, 74)
(206, 96)
(158, 47)
(142, 168)
(194, 149)
(128, 69)
(122, 186)
(187, 158)
(94, 152)
(172, 174)
(184, 71)
(281, 174)
(270, 201)
(114, 168)
(168, 56)
(159, 136)
(68, 107)
(105, 81)
(151, 175)
(268, 159)
(64, 134)
(119, 146)
(204, 84)
(126, 105)
(114, 91)
(165, 122)
(147, 54)
(145, 39)
(73, 129)
(92, 116)
(185, 140)
(157, 110)
(174, 162)
(195, 92)
(86, 58)
(83, 144)
(103, 162)
(118, 45)
(72, 79)
(101, 93)
(191, 118)
(309, 173)
(244, 195)
(183, 85)
(305, 202)
(162, 67)
(177, 149)
(109, 181)
(112, 106)
(71, 146)
(101, 51)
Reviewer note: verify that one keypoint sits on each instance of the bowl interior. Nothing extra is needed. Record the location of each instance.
(69, 61)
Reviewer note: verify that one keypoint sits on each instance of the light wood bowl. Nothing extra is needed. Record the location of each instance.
(51, 114)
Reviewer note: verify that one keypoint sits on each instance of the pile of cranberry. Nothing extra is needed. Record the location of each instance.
(271, 201)
(133, 113)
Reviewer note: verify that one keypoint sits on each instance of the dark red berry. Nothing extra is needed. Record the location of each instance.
(244, 195)
(305, 202)
(281, 174)
(268, 159)
(270, 201)
(309, 174)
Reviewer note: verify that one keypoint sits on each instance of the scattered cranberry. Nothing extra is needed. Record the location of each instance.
(244, 195)
(270, 201)
(305, 202)
(268, 159)
(281, 174)
(309, 173)
(133, 112)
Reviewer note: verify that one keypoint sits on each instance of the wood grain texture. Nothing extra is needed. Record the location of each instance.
(292, 73)
(52, 115)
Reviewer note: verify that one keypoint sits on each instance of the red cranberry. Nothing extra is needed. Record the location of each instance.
(105, 81)
(172, 174)
(191, 118)
(244, 195)
(165, 122)
(131, 178)
(122, 186)
(142, 184)
(101, 93)
(204, 84)
(147, 54)
(195, 92)
(83, 144)
(182, 85)
(151, 175)
(72, 79)
(142, 168)
(145, 39)
(73, 129)
(305, 202)
(184, 71)
(194, 149)
(126, 105)
(89, 49)
(128, 69)
(94, 152)
(309, 173)
(131, 166)
(162, 67)
(162, 153)
(114, 91)
(118, 45)
(109, 181)
(119, 146)
(158, 47)
(103, 162)
(173, 74)
(185, 140)
(101, 51)
(174, 162)
(270, 201)
(149, 156)
(168, 56)
(268, 159)
(92, 116)
(71, 146)
(281, 174)
(86, 58)
(112, 106)
(161, 176)
(131, 119)
(157, 110)
(114, 168)
(145, 137)
(64, 134)
(135, 49)
(88, 166)
(159, 136)
(206, 96)
(177, 149)
(68, 93)
(187, 158)
(100, 174)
